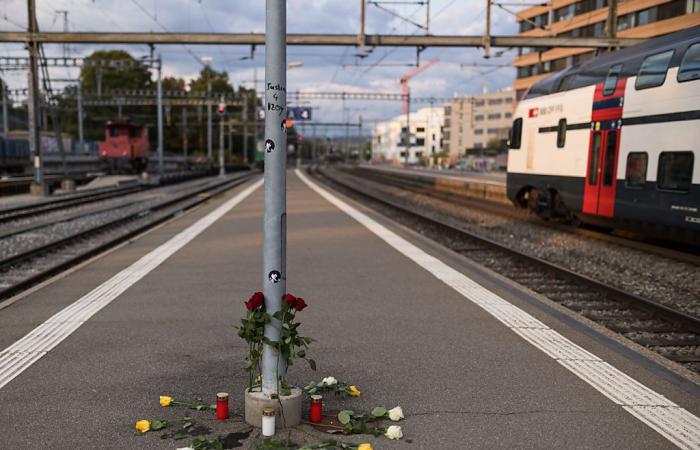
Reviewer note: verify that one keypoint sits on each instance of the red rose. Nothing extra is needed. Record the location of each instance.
(300, 304)
(289, 298)
(255, 301)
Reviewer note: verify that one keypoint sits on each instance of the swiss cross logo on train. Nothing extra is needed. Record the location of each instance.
(533, 112)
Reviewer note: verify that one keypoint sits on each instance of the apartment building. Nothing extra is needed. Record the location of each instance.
(477, 122)
(388, 138)
(587, 18)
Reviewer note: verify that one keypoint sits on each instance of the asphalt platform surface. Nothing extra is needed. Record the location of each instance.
(380, 321)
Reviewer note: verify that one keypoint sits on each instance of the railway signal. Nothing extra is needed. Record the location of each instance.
(221, 109)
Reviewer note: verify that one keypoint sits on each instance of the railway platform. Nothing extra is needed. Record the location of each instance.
(473, 360)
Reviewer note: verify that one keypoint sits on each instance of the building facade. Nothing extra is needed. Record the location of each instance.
(477, 122)
(587, 18)
(388, 138)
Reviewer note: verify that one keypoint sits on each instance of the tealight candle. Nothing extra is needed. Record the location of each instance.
(268, 422)
(316, 408)
(222, 406)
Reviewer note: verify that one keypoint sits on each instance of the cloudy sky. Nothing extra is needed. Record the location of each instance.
(324, 69)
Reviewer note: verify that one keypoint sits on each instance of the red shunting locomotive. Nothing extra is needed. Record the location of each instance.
(125, 148)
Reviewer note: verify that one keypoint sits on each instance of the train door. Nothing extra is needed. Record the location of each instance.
(606, 122)
(599, 193)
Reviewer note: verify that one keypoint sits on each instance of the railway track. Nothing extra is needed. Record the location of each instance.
(27, 268)
(665, 249)
(673, 334)
(71, 200)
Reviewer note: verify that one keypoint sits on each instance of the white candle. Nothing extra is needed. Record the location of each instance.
(268, 422)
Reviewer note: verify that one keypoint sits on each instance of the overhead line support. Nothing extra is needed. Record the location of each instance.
(374, 40)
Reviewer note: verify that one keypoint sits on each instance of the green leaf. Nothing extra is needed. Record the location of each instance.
(158, 424)
(379, 411)
(312, 364)
(301, 353)
(344, 416)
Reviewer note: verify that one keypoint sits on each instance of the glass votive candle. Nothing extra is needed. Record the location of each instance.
(222, 406)
(316, 408)
(268, 422)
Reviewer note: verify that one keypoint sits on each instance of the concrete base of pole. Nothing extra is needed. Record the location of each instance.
(39, 189)
(255, 402)
(68, 185)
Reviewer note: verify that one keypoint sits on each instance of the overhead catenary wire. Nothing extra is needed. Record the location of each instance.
(155, 19)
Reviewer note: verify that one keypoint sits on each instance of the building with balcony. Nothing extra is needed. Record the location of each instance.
(477, 122)
(587, 18)
(389, 137)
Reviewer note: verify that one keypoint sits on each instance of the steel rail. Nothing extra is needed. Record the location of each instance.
(634, 301)
(195, 198)
(24, 211)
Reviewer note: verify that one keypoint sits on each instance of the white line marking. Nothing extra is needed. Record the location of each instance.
(19, 356)
(668, 419)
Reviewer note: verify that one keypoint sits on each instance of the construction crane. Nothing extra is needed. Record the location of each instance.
(405, 91)
(406, 104)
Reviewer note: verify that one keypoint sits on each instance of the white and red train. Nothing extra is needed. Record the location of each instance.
(615, 141)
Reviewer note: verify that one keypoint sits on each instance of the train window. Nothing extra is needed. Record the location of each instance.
(690, 66)
(595, 158)
(653, 70)
(114, 131)
(516, 133)
(611, 80)
(610, 153)
(561, 133)
(636, 174)
(675, 171)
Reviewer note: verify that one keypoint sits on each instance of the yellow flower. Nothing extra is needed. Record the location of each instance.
(165, 400)
(366, 446)
(353, 391)
(143, 425)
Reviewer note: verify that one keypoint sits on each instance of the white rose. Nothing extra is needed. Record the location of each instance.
(396, 414)
(394, 432)
(329, 381)
(185, 448)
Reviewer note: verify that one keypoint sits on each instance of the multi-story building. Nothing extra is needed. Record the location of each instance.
(477, 122)
(388, 138)
(587, 18)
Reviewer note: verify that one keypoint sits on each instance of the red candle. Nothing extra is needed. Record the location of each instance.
(222, 406)
(316, 408)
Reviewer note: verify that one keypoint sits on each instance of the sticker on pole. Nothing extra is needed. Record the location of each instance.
(269, 146)
(274, 276)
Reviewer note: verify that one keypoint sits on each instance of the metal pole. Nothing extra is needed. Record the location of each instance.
(222, 170)
(159, 102)
(81, 136)
(408, 126)
(313, 146)
(209, 134)
(275, 216)
(611, 24)
(487, 32)
(361, 36)
(245, 129)
(184, 136)
(427, 17)
(5, 119)
(33, 104)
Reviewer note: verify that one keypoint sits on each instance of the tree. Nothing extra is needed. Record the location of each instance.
(122, 72)
(219, 82)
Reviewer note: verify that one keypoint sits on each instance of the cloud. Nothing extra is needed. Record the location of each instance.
(323, 66)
